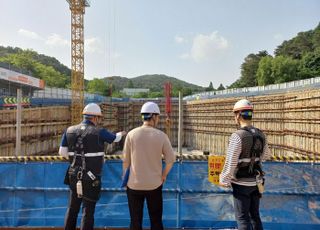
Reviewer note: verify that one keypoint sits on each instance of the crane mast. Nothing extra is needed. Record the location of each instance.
(77, 8)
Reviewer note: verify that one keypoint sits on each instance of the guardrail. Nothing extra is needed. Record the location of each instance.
(257, 89)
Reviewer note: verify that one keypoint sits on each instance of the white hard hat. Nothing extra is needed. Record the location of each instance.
(243, 104)
(92, 109)
(150, 107)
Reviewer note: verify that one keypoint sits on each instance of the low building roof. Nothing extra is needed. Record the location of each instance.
(19, 78)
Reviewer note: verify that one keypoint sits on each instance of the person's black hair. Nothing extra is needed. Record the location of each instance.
(146, 116)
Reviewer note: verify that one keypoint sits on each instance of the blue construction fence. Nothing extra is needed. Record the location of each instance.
(32, 194)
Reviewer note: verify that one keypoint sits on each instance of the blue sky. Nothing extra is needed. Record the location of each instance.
(197, 41)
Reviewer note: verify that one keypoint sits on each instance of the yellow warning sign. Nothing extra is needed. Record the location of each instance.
(215, 166)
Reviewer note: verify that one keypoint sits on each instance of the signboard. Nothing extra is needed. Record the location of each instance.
(215, 166)
(12, 101)
(13, 76)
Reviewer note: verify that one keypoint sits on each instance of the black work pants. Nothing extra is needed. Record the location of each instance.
(246, 204)
(154, 203)
(88, 207)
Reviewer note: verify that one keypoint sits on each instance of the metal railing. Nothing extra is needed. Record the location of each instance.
(256, 90)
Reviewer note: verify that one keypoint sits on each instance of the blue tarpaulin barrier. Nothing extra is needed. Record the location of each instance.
(33, 194)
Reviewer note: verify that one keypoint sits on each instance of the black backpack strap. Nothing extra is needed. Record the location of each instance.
(79, 150)
(253, 152)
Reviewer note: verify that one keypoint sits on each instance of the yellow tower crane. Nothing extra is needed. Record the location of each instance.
(77, 8)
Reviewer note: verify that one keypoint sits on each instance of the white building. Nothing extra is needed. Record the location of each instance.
(134, 91)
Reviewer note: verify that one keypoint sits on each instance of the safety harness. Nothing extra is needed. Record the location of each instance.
(83, 175)
(251, 166)
(79, 150)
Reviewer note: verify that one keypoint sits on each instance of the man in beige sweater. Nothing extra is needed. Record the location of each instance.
(143, 150)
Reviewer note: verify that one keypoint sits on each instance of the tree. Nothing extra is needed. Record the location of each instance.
(310, 65)
(130, 84)
(118, 94)
(297, 46)
(296, 58)
(236, 84)
(4, 51)
(284, 69)
(316, 37)
(141, 95)
(22, 60)
(39, 58)
(25, 62)
(210, 88)
(221, 87)
(98, 86)
(155, 94)
(249, 69)
(264, 72)
(176, 89)
(186, 91)
(51, 77)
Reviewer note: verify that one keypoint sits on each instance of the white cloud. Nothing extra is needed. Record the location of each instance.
(179, 39)
(92, 45)
(56, 40)
(207, 46)
(29, 34)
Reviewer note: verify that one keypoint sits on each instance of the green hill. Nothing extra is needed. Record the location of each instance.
(154, 82)
(40, 66)
(43, 59)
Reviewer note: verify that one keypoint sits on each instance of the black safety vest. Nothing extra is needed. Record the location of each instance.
(93, 157)
(249, 163)
(94, 151)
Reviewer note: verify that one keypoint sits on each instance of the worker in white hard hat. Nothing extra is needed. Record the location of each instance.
(243, 168)
(84, 145)
(143, 150)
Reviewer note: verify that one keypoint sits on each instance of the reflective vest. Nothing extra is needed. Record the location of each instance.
(249, 163)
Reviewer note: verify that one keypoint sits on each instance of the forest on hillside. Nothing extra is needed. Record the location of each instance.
(37, 65)
(295, 59)
(154, 82)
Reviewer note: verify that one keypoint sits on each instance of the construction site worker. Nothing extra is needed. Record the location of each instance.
(243, 169)
(84, 145)
(143, 150)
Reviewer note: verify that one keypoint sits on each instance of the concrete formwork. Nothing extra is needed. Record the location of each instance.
(291, 122)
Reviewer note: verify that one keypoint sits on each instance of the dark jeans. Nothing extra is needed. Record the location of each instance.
(88, 207)
(246, 205)
(154, 203)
